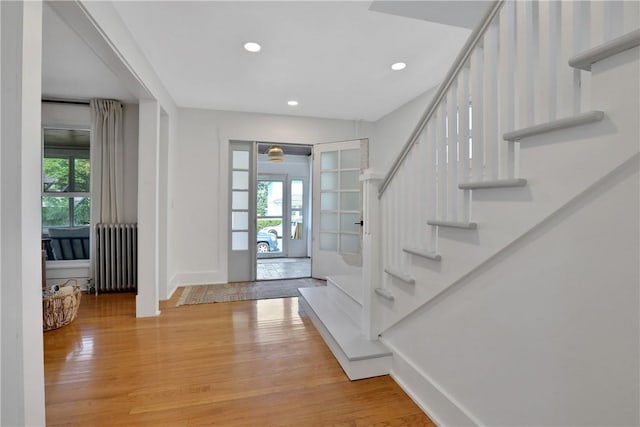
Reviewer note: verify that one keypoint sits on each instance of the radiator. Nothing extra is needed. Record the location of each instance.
(116, 262)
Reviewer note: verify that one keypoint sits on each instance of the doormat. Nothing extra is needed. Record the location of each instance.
(242, 291)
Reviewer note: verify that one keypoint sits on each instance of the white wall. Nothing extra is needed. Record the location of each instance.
(201, 143)
(21, 350)
(293, 166)
(548, 333)
(392, 131)
(537, 322)
(199, 177)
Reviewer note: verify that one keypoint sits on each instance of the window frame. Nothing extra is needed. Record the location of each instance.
(70, 155)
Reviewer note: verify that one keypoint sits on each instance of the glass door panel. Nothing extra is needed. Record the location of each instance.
(270, 210)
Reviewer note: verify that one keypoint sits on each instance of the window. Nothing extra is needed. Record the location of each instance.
(240, 199)
(297, 205)
(66, 174)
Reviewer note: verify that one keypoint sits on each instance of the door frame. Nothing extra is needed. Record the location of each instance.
(224, 220)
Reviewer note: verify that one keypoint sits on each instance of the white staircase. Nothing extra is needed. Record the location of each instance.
(445, 217)
(535, 82)
(336, 312)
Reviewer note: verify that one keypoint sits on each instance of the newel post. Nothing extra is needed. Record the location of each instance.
(371, 249)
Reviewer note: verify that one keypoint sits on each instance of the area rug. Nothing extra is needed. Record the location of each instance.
(205, 294)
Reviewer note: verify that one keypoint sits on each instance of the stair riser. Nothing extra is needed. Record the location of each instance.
(347, 304)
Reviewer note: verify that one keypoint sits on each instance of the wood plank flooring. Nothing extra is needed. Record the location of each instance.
(247, 363)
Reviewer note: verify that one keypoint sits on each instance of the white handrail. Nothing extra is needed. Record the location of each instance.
(451, 77)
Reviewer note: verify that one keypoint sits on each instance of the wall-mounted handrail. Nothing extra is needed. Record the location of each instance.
(451, 77)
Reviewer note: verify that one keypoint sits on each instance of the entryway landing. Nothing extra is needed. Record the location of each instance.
(283, 268)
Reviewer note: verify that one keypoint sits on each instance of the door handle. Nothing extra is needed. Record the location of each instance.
(361, 222)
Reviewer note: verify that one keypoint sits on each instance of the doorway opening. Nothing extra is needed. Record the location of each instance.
(283, 211)
(320, 182)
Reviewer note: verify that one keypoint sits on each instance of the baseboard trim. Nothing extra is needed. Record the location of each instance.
(172, 288)
(197, 278)
(441, 407)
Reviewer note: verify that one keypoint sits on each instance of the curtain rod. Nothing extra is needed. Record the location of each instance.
(65, 101)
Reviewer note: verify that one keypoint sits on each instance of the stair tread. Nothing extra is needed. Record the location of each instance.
(453, 224)
(384, 293)
(346, 333)
(349, 284)
(394, 272)
(496, 183)
(422, 253)
(584, 60)
(554, 125)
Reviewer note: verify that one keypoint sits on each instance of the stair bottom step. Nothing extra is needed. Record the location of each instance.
(358, 356)
(346, 294)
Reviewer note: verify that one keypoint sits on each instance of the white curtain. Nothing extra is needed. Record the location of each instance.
(107, 174)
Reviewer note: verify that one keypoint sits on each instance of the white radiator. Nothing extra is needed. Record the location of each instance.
(116, 261)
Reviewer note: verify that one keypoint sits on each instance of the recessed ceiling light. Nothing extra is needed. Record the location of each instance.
(398, 66)
(292, 103)
(252, 47)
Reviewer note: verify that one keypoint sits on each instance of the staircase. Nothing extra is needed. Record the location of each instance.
(537, 118)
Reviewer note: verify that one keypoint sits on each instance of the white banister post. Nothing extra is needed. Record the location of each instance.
(490, 103)
(441, 204)
(431, 195)
(463, 143)
(507, 54)
(630, 16)
(524, 69)
(371, 250)
(477, 113)
(568, 77)
(452, 154)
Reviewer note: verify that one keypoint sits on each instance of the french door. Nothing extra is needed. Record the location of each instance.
(337, 208)
(280, 211)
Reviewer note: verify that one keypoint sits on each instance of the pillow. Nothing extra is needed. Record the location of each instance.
(69, 232)
(70, 243)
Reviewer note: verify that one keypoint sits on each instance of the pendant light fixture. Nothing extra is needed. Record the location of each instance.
(275, 154)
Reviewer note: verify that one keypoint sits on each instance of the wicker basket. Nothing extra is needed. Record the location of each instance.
(60, 310)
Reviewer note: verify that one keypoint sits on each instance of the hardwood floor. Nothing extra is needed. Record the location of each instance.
(248, 363)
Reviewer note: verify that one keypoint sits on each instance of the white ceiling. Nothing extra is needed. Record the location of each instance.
(70, 70)
(460, 13)
(333, 57)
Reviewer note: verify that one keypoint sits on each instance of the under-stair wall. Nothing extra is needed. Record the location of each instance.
(546, 333)
(508, 288)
